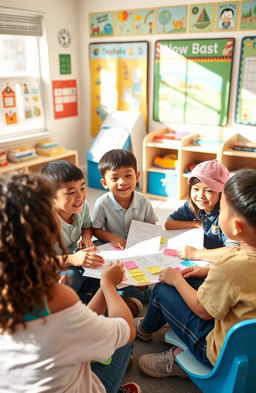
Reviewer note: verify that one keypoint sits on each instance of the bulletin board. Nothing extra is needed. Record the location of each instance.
(64, 98)
(119, 73)
(192, 80)
(246, 86)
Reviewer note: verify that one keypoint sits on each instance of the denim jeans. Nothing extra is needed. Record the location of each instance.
(111, 376)
(84, 286)
(166, 305)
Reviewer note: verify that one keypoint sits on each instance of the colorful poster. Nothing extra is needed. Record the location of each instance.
(201, 18)
(144, 21)
(171, 20)
(192, 80)
(246, 89)
(9, 103)
(248, 15)
(123, 22)
(101, 24)
(227, 16)
(31, 107)
(118, 79)
(64, 98)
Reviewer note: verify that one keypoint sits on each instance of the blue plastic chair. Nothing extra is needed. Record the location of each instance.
(235, 369)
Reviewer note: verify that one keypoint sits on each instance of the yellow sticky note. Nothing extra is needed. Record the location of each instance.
(163, 240)
(154, 269)
(135, 272)
(141, 279)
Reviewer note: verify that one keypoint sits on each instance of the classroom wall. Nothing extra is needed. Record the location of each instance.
(74, 132)
(86, 6)
(58, 14)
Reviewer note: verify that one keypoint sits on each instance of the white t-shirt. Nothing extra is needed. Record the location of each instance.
(53, 355)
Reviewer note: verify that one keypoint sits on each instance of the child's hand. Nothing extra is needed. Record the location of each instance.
(114, 274)
(187, 252)
(195, 271)
(118, 241)
(87, 258)
(170, 276)
(86, 242)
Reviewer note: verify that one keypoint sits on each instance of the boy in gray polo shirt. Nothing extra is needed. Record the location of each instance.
(114, 211)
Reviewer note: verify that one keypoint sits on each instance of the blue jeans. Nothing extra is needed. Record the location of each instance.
(84, 286)
(111, 376)
(166, 305)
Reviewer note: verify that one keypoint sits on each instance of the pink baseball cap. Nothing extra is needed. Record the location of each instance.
(212, 173)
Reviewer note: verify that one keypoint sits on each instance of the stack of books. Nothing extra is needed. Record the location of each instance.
(245, 146)
(21, 154)
(49, 148)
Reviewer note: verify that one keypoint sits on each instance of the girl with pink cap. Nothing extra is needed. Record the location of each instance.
(206, 182)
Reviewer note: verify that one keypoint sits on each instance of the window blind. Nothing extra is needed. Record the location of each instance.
(19, 23)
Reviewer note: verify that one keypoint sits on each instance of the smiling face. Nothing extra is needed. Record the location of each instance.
(70, 198)
(121, 182)
(204, 198)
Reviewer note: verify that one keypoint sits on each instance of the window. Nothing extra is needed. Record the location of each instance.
(21, 105)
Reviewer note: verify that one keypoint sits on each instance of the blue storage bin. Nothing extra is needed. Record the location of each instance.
(163, 184)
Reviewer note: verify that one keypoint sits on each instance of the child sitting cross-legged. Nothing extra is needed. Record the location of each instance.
(114, 211)
(201, 312)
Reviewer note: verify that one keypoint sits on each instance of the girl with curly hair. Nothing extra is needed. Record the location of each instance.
(47, 336)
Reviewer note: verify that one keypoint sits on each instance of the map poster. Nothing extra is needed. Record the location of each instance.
(246, 87)
(118, 73)
(192, 80)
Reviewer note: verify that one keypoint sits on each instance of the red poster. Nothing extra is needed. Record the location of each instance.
(64, 98)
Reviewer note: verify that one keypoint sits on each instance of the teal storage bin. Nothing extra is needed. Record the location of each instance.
(163, 184)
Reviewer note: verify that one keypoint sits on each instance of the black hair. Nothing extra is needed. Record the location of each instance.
(192, 205)
(115, 159)
(227, 9)
(240, 193)
(61, 171)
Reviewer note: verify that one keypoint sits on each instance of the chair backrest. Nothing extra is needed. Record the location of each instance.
(235, 369)
(240, 344)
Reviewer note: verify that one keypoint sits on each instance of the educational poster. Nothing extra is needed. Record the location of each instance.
(248, 15)
(246, 87)
(31, 102)
(118, 79)
(171, 20)
(101, 24)
(192, 80)
(201, 17)
(9, 103)
(64, 98)
(123, 22)
(227, 16)
(144, 21)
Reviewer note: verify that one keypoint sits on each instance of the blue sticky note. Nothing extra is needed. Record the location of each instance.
(188, 263)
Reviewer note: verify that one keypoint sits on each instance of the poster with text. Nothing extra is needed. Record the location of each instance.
(246, 88)
(118, 79)
(64, 98)
(192, 80)
(227, 16)
(101, 24)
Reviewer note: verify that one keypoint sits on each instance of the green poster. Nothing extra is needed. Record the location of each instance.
(246, 87)
(192, 80)
(65, 64)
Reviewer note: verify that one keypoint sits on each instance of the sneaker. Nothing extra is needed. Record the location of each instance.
(160, 365)
(139, 332)
(131, 387)
(134, 305)
(160, 334)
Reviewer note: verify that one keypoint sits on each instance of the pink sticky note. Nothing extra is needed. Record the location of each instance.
(170, 252)
(129, 265)
(117, 248)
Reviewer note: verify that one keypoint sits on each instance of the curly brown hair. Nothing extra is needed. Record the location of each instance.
(29, 229)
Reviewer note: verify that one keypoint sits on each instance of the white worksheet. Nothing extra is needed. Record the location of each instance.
(154, 250)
